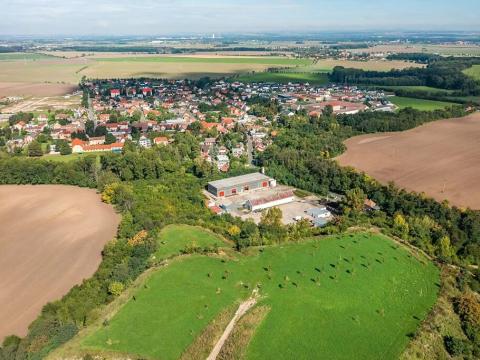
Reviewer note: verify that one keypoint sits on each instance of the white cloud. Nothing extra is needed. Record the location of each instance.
(193, 16)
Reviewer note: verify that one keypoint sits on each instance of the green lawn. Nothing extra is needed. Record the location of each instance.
(474, 72)
(174, 239)
(351, 297)
(312, 78)
(265, 60)
(23, 56)
(419, 104)
(71, 157)
(414, 88)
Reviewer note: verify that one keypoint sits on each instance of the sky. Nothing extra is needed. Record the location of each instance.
(167, 17)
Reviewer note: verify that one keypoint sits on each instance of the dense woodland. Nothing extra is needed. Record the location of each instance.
(442, 73)
(421, 58)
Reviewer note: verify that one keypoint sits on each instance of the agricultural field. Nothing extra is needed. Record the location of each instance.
(474, 72)
(27, 89)
(42, 104)
(47, 75)
(24, 56)
(439, 159)
(285, 77)
(47, 230)
(446, 50)
(327, 65)
(353, 296)
(262, 60)
(419, 104)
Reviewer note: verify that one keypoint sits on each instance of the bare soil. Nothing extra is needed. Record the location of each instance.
(34, 89)
(441, 159)
(51, 239)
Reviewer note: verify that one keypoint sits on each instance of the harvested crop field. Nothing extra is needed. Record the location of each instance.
(51, 239)
(31, 104)
(441, 159)
(376, 65)
(34, 89)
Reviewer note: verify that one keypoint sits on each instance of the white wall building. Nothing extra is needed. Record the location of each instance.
(271, 201)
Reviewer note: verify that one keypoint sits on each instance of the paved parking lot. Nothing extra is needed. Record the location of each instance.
(234, 205)
(289, 211)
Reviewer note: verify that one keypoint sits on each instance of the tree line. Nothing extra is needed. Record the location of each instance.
(442, 73)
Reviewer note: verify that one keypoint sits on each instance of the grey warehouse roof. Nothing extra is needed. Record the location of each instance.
(238, 180)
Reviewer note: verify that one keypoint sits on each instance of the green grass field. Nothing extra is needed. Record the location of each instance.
(352, 297)
(266, 60)
(282, 78)
(24, 56)
(415, 88)
(474, 72)
(174, 239)
(419, 104)
(71, 157)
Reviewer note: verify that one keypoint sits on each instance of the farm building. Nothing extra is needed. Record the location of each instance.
(270, 201)
(240, 184)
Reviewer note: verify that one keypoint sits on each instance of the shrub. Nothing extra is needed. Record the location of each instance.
(116, 288)
(455, 346)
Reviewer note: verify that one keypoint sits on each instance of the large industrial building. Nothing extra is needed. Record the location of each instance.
(240, 184)
(268, 202)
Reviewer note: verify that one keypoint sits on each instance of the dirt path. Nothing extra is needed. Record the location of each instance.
(51, 238)
(242, 310)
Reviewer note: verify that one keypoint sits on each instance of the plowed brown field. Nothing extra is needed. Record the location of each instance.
(441, 159)
(51, 238)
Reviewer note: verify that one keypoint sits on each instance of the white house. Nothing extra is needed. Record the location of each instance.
(145, 142)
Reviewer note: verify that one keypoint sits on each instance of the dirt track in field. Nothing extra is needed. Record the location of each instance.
(441, 159)
(51, 239)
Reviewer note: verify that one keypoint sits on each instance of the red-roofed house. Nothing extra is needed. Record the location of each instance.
(79, 146)
(218, 126)
(161, 140)
(146, 91)
(228, 122)
(114, 93)
(104, 117)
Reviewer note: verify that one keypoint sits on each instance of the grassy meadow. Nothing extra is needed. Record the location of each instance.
(419, 104)
(474, 72)
(174, 239)
(72, 157)
(353, 296)
(426, 89)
